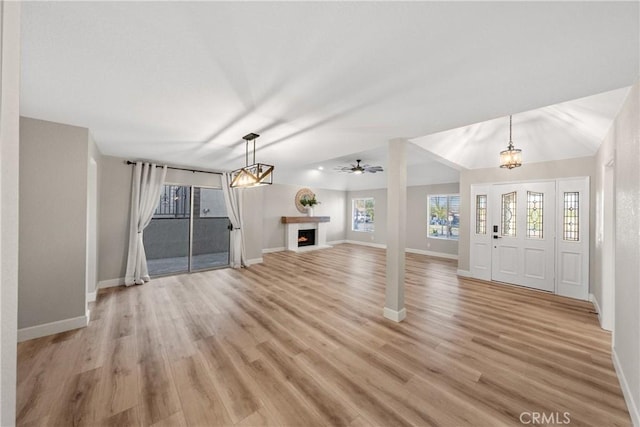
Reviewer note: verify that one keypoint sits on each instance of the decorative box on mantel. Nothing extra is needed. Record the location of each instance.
(305, 233)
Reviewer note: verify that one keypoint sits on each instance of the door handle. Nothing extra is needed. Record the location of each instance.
(495, 236)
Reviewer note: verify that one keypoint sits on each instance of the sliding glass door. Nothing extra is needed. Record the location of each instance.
(210, 243)
(188, 232)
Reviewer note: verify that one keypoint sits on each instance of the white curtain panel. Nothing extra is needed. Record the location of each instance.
(233, 200)
(146, 188)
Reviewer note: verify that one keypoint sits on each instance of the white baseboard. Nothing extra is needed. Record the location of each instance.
(464, 273)
(110, 283)
(626, 391)
(432, 253)
(596, 306)
(372, 245)
(271, 250)
(336, 242)
(408, 250)
(91, 296)
(311, 248)
(38, 331)
(254, 261)
(396, 316)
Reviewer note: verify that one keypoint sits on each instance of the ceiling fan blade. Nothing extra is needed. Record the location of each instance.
(374, 169)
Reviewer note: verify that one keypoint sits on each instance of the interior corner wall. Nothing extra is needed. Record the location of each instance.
(416, 218)
(583, 166)
(624, 141)
(114, 200)
(53, 216)
(9, 165)
(279, 201)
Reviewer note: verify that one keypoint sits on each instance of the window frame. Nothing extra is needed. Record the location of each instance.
(429, 218)
(353, 214)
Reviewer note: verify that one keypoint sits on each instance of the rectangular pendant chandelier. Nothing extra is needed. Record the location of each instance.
(252, 175)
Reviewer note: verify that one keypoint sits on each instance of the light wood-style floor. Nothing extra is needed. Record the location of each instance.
(300, 340)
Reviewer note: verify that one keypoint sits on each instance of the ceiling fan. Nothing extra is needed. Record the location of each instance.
(360, 169)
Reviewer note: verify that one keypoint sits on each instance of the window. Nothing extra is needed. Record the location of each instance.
(444, 216)
(481, 214)
(509, 208)
(175, 202)
(362, 214)
(535, 217)
(571, 223)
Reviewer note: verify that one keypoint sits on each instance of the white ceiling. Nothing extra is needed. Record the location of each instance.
(182, 82)
(567, 130)
(422, 168)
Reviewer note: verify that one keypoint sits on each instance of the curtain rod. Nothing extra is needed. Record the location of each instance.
(129, 162)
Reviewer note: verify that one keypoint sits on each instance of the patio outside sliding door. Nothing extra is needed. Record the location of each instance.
(188, 232)
(210, 242)
(166, 239)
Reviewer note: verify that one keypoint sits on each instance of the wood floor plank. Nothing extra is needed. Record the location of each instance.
(300, 340)
(157, 394)
(129, 417)
(260, 418)
(118, 387)
(201, 403)
(235, 391)
(78, 403)
(336, 412)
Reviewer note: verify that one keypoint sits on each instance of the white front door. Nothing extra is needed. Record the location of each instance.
(522, 234)
(533, 234)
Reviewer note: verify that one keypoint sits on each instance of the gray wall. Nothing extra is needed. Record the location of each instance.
(53, 217)
(623, 141)
(114, 208)
(279, 201)
(167, 238)
(416, 218)
(9, 164)
(584, 166)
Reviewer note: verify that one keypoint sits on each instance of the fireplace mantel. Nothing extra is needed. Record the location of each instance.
(304, 219)
(295, 223)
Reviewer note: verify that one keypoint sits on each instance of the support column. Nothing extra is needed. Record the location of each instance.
(396, 229)
(9, 202)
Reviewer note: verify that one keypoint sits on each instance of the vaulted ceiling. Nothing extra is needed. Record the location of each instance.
(182, 82)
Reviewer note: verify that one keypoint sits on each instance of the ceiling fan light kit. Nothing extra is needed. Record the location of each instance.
(359, 169)
(252, 175)
(511, 157)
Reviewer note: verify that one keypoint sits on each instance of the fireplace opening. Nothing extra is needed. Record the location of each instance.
(306, 237)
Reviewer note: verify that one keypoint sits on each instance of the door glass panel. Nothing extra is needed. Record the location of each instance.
(535, 205)
(481, 214)
(210, 247)
(166, 238)
(508, 214)
(571, 220)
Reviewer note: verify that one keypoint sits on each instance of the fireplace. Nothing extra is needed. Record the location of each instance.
(305, 233)
(306, 237)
